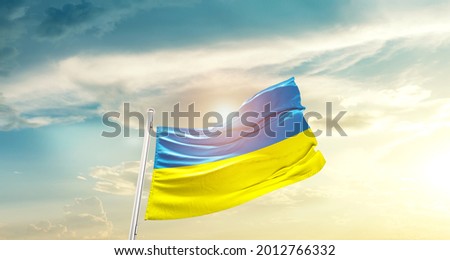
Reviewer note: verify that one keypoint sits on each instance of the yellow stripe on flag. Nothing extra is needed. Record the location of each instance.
(195, 190)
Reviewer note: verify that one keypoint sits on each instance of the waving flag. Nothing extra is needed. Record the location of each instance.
(267, 147)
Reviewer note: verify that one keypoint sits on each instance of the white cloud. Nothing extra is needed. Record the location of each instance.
(162, 78)
(82, 178)
(11, 119)
(46, 229)
(84, 219)
(119, 180)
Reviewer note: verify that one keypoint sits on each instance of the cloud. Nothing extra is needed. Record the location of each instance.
(11, 119)
(87, 219)
(92, 18)
(47, 230)
(119, 180)
(12, 27)
(84, 219)
(29, 25)
(11, 12)
(82, 178)
(71, 17)
(7, 56)
(165, 77)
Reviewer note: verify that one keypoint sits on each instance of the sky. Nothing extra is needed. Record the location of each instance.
(64, 64)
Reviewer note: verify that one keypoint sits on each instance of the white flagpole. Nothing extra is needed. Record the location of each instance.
(140, 181)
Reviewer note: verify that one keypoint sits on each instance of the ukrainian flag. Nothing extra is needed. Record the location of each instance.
(258, 152)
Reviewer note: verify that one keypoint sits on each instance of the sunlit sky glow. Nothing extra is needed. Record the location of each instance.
(64, 64)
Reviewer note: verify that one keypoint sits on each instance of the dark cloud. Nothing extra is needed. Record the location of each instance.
(7, 57)
(59, 22)
(7, 53)
(8, 7)
(10, 118)
(11, 28)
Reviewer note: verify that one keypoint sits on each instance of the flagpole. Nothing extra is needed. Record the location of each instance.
(140, 180)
